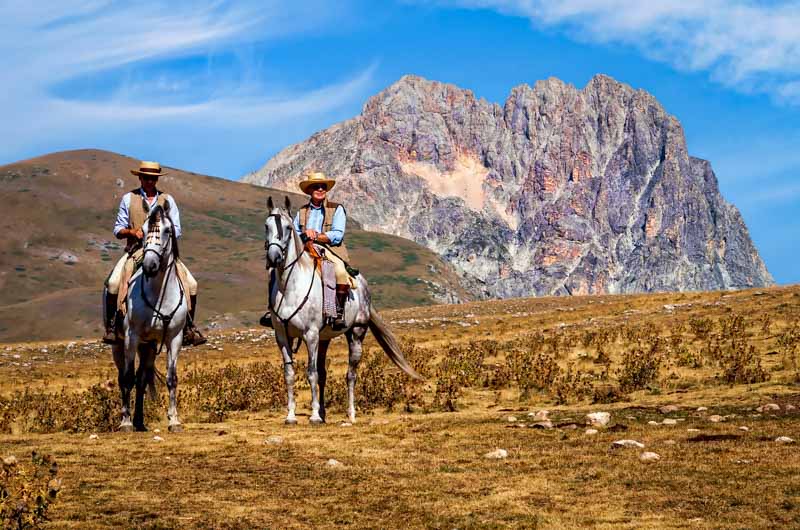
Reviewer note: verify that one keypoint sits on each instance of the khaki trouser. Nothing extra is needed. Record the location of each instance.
(342, 277)
(126, 265)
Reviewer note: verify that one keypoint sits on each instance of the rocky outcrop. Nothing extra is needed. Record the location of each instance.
(559, 191)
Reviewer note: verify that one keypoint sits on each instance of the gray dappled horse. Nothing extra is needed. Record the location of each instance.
(156, 315)
(296, 304)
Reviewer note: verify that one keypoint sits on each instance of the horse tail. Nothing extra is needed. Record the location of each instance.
(388, 342)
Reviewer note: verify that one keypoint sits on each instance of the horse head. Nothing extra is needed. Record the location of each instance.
(279, 232)
(160, 241)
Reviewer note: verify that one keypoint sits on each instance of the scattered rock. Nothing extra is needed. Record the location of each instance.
(626, 443)
(744, 428)
(68, 258)
(768, 407)
(540, 415)
(511, 419)
(651, 422)
(332, 462)
(10, 461)
(742, 461)
(94, 437)
(649, 456)
(345, 424)
(274, 440)
(156, 431)
(702, 409)
(591, 432)
(789, 406)
(546, 424)
(666, 409)
(669, 421)
(784, 440)
(497, 454)
(598, 419)
(158, 439)
(120, 183)
(716, 418)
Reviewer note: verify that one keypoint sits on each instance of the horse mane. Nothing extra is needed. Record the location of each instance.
(158, 211)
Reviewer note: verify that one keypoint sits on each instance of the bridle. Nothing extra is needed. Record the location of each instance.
(277, 217)
(154, 237)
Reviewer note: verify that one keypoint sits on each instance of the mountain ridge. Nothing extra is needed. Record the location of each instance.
(557, 191)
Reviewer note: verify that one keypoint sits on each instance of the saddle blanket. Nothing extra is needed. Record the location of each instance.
(328, 289)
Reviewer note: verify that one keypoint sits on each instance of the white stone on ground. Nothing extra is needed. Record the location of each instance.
(744, 428)
(591, 431)
(716, 418)
(702, 409)
(497, 454)
(768, 407)
(540, 415)
(158, 439)
(653, 422)
(692, 430)
(274, 440)
(93, 437)
(666, 409)
(600, 419)
(789, 406)
(511, 419)
(649, 456)
(627, 443)
(669, 421)
(10, 460)
(784, 440)
(332, 462)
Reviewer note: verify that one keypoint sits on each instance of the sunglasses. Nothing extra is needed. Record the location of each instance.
(316, 187)
(149, 177)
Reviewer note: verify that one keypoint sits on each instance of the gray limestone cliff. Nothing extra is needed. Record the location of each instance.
(558, 191)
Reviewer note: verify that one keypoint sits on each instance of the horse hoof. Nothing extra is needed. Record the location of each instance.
(316, 421)
(126, 428)
(290, 421)
(176, 428)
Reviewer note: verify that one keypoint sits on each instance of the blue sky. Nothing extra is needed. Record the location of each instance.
(218, 87)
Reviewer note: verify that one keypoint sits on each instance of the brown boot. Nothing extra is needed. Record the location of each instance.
(342, 290)
(192, 335)
(109, 318)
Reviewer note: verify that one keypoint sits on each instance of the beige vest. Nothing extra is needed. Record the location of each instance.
(327, 223)
(137, 215)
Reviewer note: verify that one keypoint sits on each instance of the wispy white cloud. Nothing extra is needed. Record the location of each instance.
(48, 44)
(748, 45)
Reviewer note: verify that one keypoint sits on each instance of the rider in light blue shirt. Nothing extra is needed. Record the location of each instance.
(316, 215)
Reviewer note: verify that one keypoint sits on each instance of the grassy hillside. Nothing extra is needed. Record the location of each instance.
(57, 247)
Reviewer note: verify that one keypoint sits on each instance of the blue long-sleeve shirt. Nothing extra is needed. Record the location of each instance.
(124, 216)
(315, 218)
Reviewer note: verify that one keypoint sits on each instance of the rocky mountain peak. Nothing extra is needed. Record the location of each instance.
(561, 190)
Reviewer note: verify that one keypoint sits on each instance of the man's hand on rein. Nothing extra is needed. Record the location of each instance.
(311, 234)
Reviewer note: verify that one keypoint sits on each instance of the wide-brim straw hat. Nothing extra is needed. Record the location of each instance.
(146, 168)
(316, 177)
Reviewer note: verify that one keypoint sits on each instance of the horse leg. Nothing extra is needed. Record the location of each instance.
(312, 343)
(354, 339)
(322, 371)
(127, 378)
(288, 371)
(146, 363)
(172, 382)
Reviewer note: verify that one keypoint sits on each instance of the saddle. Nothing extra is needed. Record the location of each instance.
(325, 268)
(132, 266)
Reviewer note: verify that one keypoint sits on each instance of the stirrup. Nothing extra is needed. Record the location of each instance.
(110, 337)
(266, 320)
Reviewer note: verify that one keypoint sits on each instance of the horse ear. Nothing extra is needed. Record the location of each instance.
(288, 204)
(166, 206)
(145, 206)
(270, 206)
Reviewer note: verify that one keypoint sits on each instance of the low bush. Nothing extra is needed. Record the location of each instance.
(27, 490)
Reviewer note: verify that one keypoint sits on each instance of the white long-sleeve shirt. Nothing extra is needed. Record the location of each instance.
(124, 216)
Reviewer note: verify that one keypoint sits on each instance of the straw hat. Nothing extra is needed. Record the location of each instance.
(316, 177)
(148, 168)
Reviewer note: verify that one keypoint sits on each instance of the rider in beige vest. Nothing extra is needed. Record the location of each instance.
(323, 222)
(131, 217)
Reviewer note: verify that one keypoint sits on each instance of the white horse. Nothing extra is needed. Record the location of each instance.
(296, 304)
(156, 314)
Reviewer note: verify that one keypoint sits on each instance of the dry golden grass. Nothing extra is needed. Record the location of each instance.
(426, 468)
